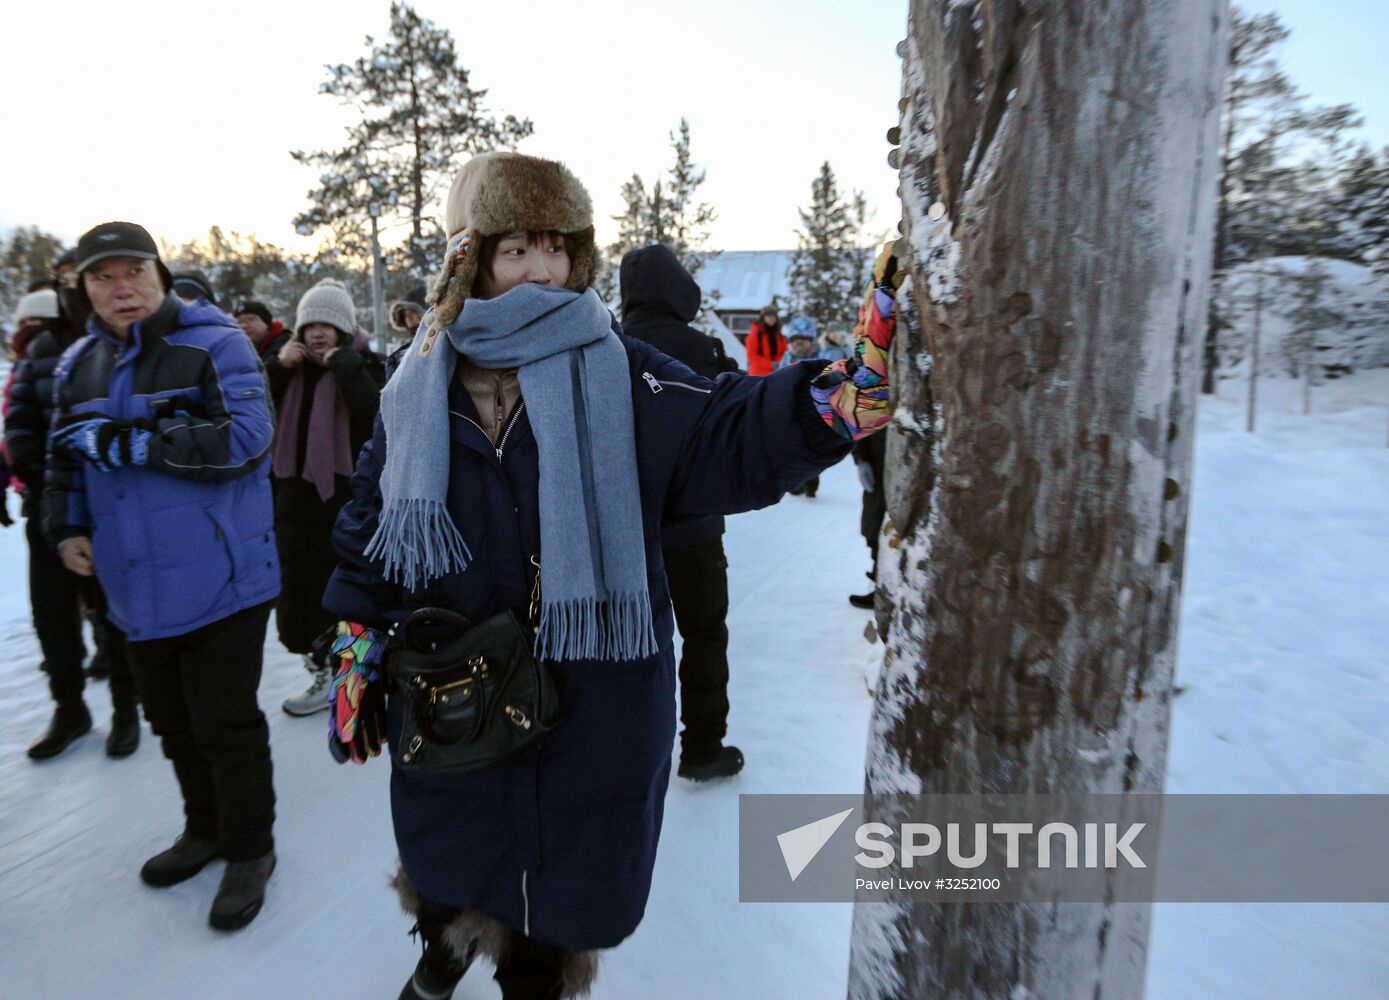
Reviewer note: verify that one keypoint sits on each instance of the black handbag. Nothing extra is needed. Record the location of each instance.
(472, 695)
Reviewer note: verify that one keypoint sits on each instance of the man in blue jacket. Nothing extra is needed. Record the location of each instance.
(157, 482)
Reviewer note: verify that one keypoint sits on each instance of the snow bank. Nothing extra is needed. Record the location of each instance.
(1285, 622)
(1357, 339)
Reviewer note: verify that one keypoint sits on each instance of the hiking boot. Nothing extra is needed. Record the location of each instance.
(864, 601)
(312, 701)
(437, 973)
(723, 762)
(186, 858)
(70, 721)
(242, 892)
(124, 737)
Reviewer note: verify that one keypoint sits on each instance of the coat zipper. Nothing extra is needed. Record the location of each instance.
(501, 445)
(505, 434)
(526, 899)
(657, 384)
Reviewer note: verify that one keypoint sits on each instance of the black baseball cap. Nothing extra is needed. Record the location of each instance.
(115, 239)
(254, 308)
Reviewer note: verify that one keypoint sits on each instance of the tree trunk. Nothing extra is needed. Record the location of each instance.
(1210, 360)
(1058, 175)
(417, 258)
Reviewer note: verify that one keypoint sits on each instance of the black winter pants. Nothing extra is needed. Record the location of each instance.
(199, 693)
(871, 521)
(56, 596)
(698, 576)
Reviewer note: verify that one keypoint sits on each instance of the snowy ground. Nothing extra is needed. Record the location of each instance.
(1285, 626)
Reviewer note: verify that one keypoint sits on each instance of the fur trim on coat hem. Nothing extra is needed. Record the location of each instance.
(494, 939)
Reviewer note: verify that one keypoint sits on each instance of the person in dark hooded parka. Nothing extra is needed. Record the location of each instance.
(526, 448)
(659, 301)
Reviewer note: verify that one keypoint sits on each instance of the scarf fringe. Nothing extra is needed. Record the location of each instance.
(586, 628)
(418, 542)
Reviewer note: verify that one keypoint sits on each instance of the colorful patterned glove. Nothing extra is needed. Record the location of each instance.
(852, 396)
(108, 444)
(357, 699)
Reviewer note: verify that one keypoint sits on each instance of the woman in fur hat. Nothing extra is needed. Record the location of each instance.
(326, 385)
(526, 446)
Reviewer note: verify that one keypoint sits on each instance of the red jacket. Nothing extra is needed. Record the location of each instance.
(764, 349)
(272, 335)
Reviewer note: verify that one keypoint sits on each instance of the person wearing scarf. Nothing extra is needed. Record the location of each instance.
(525, 444)
(326, 386)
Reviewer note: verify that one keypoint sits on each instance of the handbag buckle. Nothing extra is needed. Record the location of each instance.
(517, 716)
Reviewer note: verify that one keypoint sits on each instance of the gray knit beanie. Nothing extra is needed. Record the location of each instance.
(326, 302)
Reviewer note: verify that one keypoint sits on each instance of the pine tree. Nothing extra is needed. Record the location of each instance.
(666, 213)
(242, 267)
(421, 118)
(26, 256)
(1263, 108)
(687, 221)
(233, 263)
(1361, 208)
(1311, 314)
(826, 274)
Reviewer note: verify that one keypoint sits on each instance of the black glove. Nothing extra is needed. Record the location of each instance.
(106, 443)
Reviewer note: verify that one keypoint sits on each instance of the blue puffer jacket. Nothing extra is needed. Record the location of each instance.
(560, 841)
(188, 538)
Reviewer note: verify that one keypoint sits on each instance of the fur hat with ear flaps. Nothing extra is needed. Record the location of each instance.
(497, 193)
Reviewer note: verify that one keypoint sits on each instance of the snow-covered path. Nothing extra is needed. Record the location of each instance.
(1284, 632)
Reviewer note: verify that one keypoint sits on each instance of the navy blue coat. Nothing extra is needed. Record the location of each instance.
(186, 539)
(559, 842)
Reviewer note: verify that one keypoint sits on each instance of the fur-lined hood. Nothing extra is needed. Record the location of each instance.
(497, 193)
(414, 299)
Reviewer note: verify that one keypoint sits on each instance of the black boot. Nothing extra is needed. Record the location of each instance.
(124, 737)
(241, 893)
(721, 762)
(70, 720)
(186, 858)
(864, 601)
(438, 971)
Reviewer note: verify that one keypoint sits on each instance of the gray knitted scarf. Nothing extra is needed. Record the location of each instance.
(577, 387)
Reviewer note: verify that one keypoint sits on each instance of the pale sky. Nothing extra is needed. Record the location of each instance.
(179, 116)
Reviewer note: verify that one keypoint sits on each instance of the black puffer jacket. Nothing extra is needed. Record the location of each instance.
(31, 409)
(303, 521)
(659, 299)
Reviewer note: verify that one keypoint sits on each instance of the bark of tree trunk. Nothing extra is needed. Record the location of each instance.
(1058, 172)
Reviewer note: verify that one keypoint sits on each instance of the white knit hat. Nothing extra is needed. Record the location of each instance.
(42, 304)
(326, 302)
